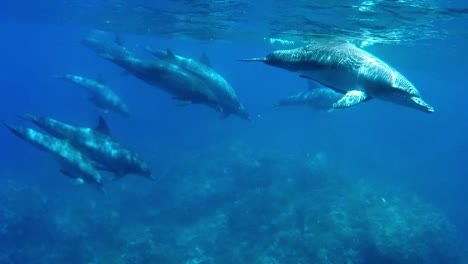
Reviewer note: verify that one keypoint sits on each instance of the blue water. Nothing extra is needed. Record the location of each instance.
(375, 183)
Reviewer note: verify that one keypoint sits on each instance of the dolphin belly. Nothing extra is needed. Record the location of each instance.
(338, 80)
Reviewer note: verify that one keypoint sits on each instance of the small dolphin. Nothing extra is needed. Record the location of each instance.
(73, 163)
(227, 98)
(320, 98)
(100, 94)
(185, 87)
(98, 144)
(350, 70)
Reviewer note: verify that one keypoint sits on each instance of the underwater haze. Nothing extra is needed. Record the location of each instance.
(373, 183)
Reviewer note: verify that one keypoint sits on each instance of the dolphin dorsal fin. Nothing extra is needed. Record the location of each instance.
(118, 40)
(170, 54)
(102, 126)
(204, 59)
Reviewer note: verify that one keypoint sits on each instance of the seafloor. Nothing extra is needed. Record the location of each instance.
(227, 204)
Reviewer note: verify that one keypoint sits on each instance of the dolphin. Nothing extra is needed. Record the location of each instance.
(320, 98)
(73, 163)
(184, 87)
(228, 102)
(97, 143)
(100, 94)
(349, 70)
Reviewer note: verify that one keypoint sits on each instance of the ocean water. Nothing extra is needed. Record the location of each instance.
(374, 183)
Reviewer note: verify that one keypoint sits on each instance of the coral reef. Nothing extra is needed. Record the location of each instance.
(228, 204)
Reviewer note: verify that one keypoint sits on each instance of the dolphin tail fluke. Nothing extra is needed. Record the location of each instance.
(254, 59)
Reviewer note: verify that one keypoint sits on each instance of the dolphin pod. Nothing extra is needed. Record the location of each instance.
(227, 97)
(72, 162)
(347, 69)
(97, 143)
(187, 81)
(83, 152)
(347, 76)
(342, 68)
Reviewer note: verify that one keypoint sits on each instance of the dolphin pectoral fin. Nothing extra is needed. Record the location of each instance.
(68, 174)
(351, 98)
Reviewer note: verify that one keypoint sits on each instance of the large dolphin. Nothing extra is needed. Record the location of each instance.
(227, 98)
(185, 87)
(100, 94)
(97, 143)
(73, 163)
(320, 98)
(348, 69)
